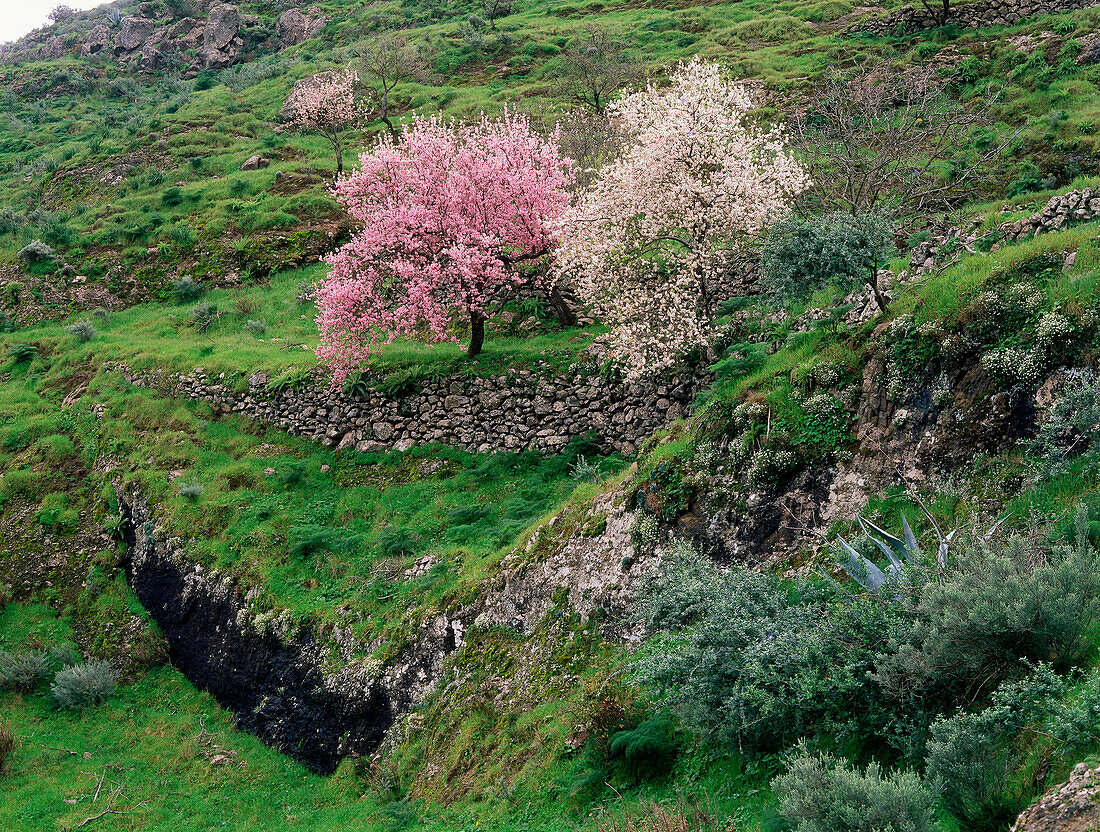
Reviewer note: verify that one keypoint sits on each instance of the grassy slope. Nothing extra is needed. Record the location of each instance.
(505, 764)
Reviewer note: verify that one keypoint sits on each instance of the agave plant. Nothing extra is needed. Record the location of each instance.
(899, 551)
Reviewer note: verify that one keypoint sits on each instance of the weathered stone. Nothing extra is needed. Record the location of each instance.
(255, 163)
(221, 44)
(99, 38)
(295, 26)
(132, 33)
(221, 27)
(1070, 807)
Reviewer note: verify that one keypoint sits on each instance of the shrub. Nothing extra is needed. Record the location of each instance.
(1071, 426)
(1003, 601)
(10, 220)
(64, 655)
(257, 328)
(206, 79)
(7, 748)
(748, 660)
(83, 685)
(186, 289)
(191, 490)
(646, 751)
(804, 254)
(83, 331)
(304, 295)
(204, 316)
(822, 794)
(22, 352)
(171, 197)
(23, 671)
(974, 755)
(36, 251)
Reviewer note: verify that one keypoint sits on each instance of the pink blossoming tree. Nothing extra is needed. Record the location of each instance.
(448, 219)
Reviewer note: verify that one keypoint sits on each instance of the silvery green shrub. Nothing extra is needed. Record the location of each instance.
(83, 685)
(23, 671)
(36, 251)
(83, 331)
(820, 793)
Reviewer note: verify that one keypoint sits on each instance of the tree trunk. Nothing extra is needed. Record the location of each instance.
(880, 299)
(477, 334)
(562, 310)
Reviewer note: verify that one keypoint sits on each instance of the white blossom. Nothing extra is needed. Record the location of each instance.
(659, 227)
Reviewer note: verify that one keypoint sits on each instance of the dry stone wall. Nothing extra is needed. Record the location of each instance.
(1075, 206)
(523, 410)
(969, 15)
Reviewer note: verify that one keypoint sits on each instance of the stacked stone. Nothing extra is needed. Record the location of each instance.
(969, 15)
(524, 410)
(1075, 206)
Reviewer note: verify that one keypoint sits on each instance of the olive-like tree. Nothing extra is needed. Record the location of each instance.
(804, 254)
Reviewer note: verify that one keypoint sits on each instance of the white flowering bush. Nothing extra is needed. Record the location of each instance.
(1015, 365)
(663, 223)
(645, 531)
(941, 390)
(768, 465)
(1054, 332)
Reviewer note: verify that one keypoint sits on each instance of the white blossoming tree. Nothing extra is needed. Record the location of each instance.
(648, 242)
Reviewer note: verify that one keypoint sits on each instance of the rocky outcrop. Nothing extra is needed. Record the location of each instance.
(1075, 206)
(185, 33)
(132, 34)
(255, 162)
(524, 410)
(968, 15)
(99, 39)
(295, 25)
(1069, 807)
(221, 40)
(275, 678)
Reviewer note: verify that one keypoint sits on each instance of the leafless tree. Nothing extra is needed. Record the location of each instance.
(884, 139)
(386, 61)
(494, 9)
(61, 13)
(596, 66)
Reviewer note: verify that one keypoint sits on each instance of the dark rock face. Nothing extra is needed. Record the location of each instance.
(275, 685)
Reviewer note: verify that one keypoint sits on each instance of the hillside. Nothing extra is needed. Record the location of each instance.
(835, 569)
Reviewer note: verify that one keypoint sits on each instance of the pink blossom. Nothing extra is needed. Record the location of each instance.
(445, 215)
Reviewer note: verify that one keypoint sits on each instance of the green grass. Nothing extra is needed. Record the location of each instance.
(164, 336)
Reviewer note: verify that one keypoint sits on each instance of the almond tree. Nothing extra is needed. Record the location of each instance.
(326, 105)
(452, 219)
(661, 225)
